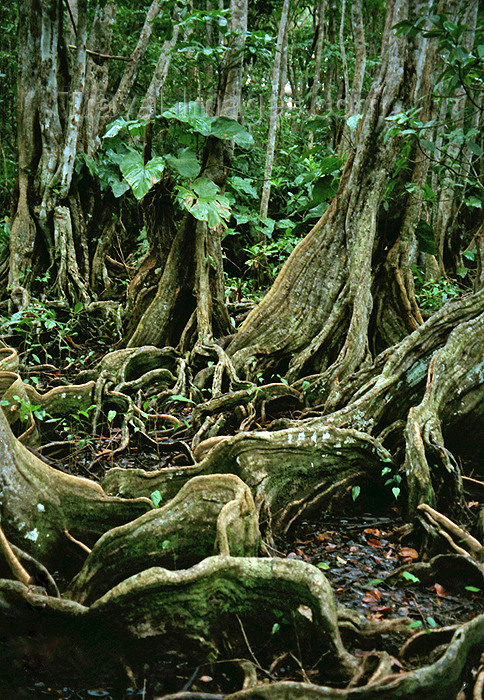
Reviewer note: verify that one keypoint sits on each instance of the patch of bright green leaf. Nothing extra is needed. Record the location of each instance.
(186, 163)
(374, 582)
(156, 497)
(179, 397)
(139, 176)
(410, 577)
(231, 130)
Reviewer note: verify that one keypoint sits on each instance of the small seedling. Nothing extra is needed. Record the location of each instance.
(410, 577)
(156, 497)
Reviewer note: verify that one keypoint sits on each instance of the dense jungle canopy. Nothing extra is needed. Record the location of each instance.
(241, 285)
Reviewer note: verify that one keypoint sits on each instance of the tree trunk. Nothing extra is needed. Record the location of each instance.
(316, 86)
(318, 314)
(189, 300)
(273, 111)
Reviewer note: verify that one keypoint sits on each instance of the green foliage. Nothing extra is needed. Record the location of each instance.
(25, 408)
(197, 121)
(157, 498)
(425, 237)
(461, 73)
(41, 333)
(185, 163)
(410, 577)
(122, 155)
(432, 294)
(205, 202)
(141, 176)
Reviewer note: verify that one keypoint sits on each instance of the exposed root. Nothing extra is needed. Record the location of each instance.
(13, 562)
(453, 533)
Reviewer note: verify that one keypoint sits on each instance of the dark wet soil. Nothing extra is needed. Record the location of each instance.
(357, 554)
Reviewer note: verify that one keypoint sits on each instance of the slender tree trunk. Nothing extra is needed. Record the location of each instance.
(273, 111)
(458, 158)
(317, 65)
(353, 94)
(148, 105)
(119, 100)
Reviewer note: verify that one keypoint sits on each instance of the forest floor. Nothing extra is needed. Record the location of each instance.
(357, 550)
(357, 553)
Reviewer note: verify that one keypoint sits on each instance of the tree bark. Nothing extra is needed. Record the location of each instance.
(318, 312)
(273, 111)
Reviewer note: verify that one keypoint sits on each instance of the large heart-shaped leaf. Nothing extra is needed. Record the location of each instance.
(191, 113)
(205, 188)
(231, 130)
(186, 164)
(141, 177)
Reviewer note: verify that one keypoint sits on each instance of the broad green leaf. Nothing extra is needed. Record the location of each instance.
(474, 148)
(214, 215)
(242, 217)
(410, 577)
(201, 210)
(473, 589)
(115, 127)
(225, 128)
(139, 176)
(431, 622)
(241, 184)
(192, 114)
(353, 122)
(186, 163)
(316, 212)
(114, 156)
(156, 497)
(323, 565)
(324, 188)
(118, 187)
(205, 188)
(330, 164)
(355, 492)
(474, 202)
(136, 127)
